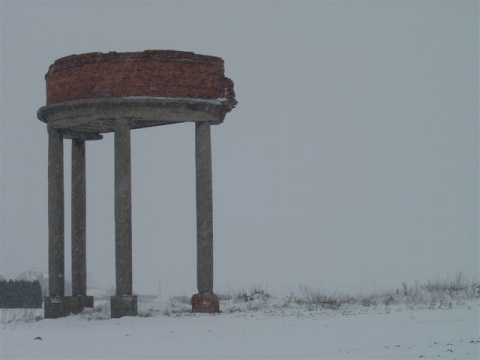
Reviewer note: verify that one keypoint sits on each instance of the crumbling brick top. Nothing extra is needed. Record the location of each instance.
(151, 73)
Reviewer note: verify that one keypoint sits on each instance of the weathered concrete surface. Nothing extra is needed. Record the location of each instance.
(205, 303)
(203, 166)
(56, 259)
(123, 305)
(123, 209)
(79, 215)
(56, 307)
(94, 116)
(84, 301)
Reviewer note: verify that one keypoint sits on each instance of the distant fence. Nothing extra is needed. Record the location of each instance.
(20, 294)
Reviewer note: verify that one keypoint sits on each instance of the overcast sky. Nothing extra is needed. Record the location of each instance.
(350, 163)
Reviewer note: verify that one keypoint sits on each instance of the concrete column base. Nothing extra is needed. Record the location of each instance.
(205, 303)
(55, 307)
(60, 307)
(84, 301)
(123, 305)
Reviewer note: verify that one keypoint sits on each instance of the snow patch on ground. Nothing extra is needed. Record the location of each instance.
(255, 329)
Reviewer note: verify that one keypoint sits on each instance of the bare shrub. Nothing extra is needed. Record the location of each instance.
(442, 292)
(289, 300)
(367, 300)
(323, 299)
(19, 315)
(224, 296)
(438, 293)
(178, 306)
(256, 292)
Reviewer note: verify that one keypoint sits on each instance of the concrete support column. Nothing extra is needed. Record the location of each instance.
(204, 301)
(55, 304)
(123, 303)
(56, 216)
(79, 215)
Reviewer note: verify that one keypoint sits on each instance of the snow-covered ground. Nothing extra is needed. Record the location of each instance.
(254, 330)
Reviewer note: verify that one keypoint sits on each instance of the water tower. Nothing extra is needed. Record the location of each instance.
(96, 93)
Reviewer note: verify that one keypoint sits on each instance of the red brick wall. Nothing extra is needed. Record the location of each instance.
(154, 73)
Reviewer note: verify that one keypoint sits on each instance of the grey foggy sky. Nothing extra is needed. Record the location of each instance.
(351, 161)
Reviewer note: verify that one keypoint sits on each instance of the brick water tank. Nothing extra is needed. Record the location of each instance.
(151, 73)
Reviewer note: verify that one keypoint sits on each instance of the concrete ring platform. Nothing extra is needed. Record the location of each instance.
(90, 117)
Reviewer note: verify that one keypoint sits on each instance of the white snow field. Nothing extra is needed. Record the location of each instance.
(256, 329)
